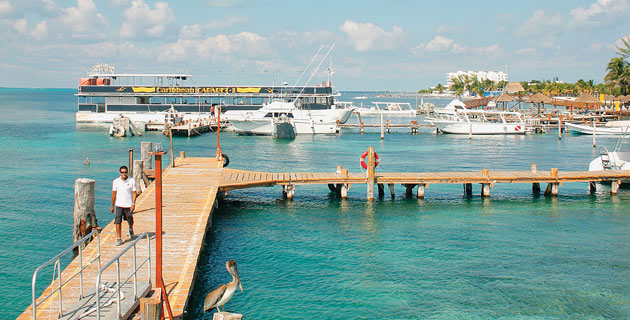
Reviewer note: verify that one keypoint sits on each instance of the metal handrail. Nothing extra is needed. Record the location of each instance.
(116, 260)
(56, 259)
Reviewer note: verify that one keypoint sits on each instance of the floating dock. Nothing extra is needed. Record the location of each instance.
(190, 191)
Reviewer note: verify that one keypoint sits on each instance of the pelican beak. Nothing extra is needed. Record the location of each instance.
(240, 285)
(238, 277)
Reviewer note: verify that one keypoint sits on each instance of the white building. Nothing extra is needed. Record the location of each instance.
(494, 76)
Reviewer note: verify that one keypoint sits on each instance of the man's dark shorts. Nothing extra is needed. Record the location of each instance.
(123, 212)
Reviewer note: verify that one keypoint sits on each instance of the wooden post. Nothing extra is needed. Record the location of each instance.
(391, 190)
(137, 175)
(145, 149)
(420, 191)
(382, 134)
(344, 190)
(614, 186)
(170, 139)
(560, 127)
(84, 214)
(130, 166)
(468, 189)
(409, 190)
(150, 309)
(387, 126)
(370, 174)
(182, 154)
(592, 187)
(381, 190)
(535, 185)
(594, 136)
(485, 189)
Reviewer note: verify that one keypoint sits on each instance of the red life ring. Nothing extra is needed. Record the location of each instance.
(376, 160)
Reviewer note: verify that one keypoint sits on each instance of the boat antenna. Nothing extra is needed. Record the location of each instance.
(315, 70)
(309, 65)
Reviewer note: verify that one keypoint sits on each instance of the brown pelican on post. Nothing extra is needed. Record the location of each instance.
(219, 296)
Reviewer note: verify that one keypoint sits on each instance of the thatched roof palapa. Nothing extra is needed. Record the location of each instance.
(513, 87)
(504, 97)
(539, 98)
(587, 98)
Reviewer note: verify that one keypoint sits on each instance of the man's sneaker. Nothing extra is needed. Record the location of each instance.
(118, 241)
(131, 233)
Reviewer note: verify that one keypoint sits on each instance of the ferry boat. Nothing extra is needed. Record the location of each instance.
(105, 95)
(455, 118)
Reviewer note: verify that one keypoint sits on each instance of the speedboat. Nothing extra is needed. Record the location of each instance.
(455, 118)
(608, 128)
(401, 109)
(264, 121)
(618, 159)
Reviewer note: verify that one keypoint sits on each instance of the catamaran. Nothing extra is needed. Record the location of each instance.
(455, 118)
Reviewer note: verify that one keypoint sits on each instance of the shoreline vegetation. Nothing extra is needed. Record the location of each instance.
(616, 81)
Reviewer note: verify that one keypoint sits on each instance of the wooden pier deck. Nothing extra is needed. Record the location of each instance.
(190, 190)
(189, 193)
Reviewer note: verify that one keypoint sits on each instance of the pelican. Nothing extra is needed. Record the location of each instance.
(219, 296)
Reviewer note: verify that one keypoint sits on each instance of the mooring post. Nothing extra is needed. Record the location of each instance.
(130, 166)
(391, 190)
(370, 174)
(420, 191)
(344, 190)
(614, 186)
(409, 190)
(535, 185)
(170, 139)
(382, 134)
(468, 189)
(182, 154)
(554, 185)
(387, 126)
(560, 127)
(84, 214)
(137, 175)
(485, 187)
(288, 191)
(381, 190)
(145, 149)
(592, 188)
(594, 135)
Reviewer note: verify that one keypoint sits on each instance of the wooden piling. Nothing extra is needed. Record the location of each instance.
(344, 190)
(560, 127)
(614, 186)
(170, 139)
(137, 175)
(145, 149)
(130, 166)
(594, 135)
(84, 214)
(382, 134)
(182, 154)
(535, 185)
(370, 174)
(150, 309)
(409, 190)
(485, 189)
(288, 191)
(592, 187)
(381, 190)
(468, 189)
(420, 191)
(391, 190)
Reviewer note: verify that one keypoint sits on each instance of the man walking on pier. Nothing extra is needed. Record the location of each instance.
(124, 199)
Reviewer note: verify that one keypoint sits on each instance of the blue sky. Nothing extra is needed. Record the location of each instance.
(379, 45)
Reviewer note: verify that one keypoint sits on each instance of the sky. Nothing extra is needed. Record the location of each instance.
(395, 45)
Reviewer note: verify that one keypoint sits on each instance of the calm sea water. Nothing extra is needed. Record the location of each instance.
(514, 255)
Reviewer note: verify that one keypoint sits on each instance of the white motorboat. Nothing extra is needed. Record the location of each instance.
(608, 128)
(264, 120)
(455, 118)
(618, 159)
(401, 109)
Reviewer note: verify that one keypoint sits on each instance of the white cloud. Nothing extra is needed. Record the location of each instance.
(40, 31)
(293, 39)
(141, 19)
(118, 3)
(367, 37)
(84, 20)
(221, 47)
(224, 3)
(599, 12)
(443, 44)
(449, 29)
(5, 7)
(21, 25)
(526, 51)
(195, 31)
(540, 23)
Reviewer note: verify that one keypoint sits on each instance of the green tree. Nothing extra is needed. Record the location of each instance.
(624, 49)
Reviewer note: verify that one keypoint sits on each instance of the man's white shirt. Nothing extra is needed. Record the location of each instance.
(124, 190)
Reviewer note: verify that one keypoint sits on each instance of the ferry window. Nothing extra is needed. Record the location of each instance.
(321, 100)
(156, 100)
(257, 100)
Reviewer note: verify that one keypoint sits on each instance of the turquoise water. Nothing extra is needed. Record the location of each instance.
(514, 255)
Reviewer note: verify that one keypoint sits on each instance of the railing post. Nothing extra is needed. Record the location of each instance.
(118, 288)
(60, 298)
(98, 293)
(135, 274)
(80, 271)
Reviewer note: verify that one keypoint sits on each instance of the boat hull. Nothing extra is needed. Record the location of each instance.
(267, 126)
(586, 129)
(479, 128)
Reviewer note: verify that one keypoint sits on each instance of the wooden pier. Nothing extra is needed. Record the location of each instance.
(190, 190)
(189, 194)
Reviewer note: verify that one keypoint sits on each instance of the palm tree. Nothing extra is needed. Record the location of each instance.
(618, 76)
(439, 88)
(624, 50)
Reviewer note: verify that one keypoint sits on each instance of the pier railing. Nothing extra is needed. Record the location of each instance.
(57, 262)
(119, 285)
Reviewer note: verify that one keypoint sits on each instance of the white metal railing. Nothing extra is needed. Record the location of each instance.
(133, 275)
(56, 260)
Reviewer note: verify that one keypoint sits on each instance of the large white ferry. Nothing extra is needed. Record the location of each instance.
(105, 95)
